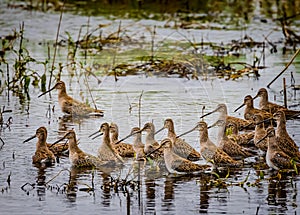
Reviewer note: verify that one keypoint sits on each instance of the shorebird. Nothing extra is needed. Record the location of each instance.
(223, 115)
(106, 151)
(244, 139)
(123, 149)
(283, 139)
(231, 148)
(177, 164)
(42, 153)
(179, 146)
(71, 106)
(59, 148)
(275, 157)
(138, 145)
(151, 143)
(272, 108)
(209, 151)
(78, 158)
(260, 132)
(250, 111)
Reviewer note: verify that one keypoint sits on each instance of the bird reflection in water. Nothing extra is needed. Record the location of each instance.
(150, 195)
(277, 192)
(204, 197)
(40, 181)
(106, 187)
(168, 200)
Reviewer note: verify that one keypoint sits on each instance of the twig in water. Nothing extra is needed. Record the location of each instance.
(57, 175)
(287, 66)
(8, 179)
(3, 143)
(140, 106)
(152, 43)
(87, 38)
(88, 87)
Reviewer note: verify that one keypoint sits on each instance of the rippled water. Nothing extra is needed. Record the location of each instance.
(179, 99)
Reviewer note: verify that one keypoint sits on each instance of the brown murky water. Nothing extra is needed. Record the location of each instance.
(180, 99)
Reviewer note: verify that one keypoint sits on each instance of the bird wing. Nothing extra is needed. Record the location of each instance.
(74, 107)
(186, 166)
(281, 160)
(222, 157)
(184, 150)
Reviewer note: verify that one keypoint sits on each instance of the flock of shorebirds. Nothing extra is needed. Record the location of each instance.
(238, 139)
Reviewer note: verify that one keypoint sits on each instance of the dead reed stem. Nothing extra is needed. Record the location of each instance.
(55, 47)
(287, 66)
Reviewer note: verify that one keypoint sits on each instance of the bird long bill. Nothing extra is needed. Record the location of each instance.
(150, 153)
(97, 136)
(46, 92)
(206, 114)
(96, 132)
(30, 138)
(242, 105)
(215, 124)
(263, 121)
(129, 135)
(255, 97)
(57, 141)
(264, 137)
(247, 126)
(187, 132)
(159, 130)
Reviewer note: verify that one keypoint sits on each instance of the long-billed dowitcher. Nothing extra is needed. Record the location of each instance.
(275, 157)
(283, 139)
(230, 147)
(106, 151)
(260, 132)
(151, 143)
(138, 145)
(179, 146)
(78, 158)
(250, 111)
(272, 108)
(223, 115)
(57, 149)
(209, 151)
(123, 149)
(240, 138)
(42, 153)
(177, 164)
(71, 106)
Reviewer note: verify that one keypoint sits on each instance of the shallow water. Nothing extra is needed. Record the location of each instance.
(179, 99)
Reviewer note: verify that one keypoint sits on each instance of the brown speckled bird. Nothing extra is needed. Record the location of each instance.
(209, 151)
(243, 139)
(71, 106)
(78, 158)
(42, 153)
(260, 132)
(231, 148)
(138, 145)
(223, 115)
(275, 157)
(250, 111)
(272, 108)
(123, 149)
(179, 146)
(283, 139)
(106, 151)
(151, 144)
(177, 164)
